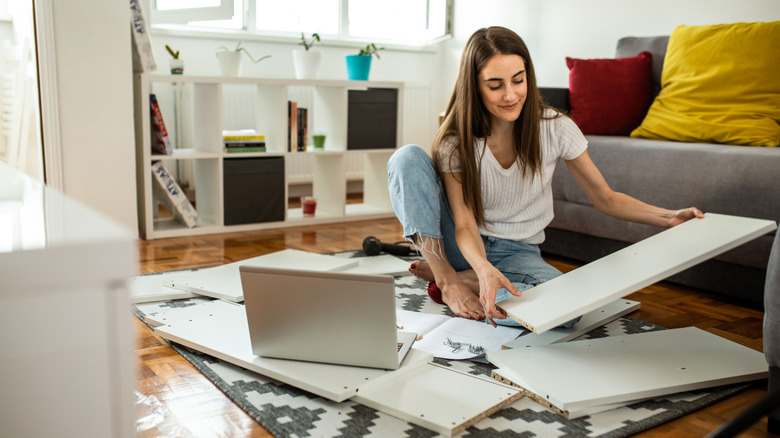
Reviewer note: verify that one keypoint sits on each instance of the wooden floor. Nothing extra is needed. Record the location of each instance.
(176, 400)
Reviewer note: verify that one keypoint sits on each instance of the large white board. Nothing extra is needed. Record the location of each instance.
(438, 398)
(591, 320)
(509, 377)
(577, 292)
(596, 372)
(150, 288)
(224, 282)
(222, 332)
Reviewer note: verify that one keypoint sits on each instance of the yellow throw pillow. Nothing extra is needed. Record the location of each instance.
(720, 84)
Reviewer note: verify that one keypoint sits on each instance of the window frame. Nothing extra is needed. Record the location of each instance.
(250, 31)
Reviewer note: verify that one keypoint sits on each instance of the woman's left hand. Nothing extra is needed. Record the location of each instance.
(685, 214)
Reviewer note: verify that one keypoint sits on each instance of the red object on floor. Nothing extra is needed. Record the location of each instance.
(434, 292)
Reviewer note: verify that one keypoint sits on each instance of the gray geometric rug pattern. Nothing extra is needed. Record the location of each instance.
(286, 411)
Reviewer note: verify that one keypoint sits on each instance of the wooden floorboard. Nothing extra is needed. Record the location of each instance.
(192, 406)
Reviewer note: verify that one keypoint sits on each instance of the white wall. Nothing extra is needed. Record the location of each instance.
(199, 55)
(555, 29)
(95, 94)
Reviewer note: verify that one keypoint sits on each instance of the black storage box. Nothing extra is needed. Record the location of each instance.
(254, 190)
(372, 119)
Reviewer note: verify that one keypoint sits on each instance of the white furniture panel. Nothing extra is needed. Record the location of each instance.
(150, 288)
(591, 320)
(224, 281)
(510, 377)
(224, 334)
(597, 372)
(563, 298)
(437, 398)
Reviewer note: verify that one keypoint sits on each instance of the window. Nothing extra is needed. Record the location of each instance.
(321, 16)
(403, 22)
(184, 11)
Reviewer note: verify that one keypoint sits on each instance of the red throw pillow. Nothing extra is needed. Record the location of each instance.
(610, 96)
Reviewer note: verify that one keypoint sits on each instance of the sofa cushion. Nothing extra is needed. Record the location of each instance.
(719, 85)
(609, 96)
(632, 46)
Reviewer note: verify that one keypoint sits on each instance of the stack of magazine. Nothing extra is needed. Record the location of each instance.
(245, 140)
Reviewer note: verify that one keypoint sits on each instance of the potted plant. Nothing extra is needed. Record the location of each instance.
(176, 63)
(307, 62)
(230, 60)
(359, 66)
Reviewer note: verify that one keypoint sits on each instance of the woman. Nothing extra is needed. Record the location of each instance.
(478, 210)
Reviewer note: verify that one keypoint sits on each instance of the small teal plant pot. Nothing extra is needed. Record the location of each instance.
(358, 67)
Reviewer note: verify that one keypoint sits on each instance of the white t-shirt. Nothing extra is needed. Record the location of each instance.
(517, 207)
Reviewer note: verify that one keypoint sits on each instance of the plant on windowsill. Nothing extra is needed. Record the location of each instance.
(359, 66)
(230, 60)
(176, 63)
(307, 62)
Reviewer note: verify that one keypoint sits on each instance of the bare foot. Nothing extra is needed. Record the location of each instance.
(422, 270)
(462, 301)
(460, 296)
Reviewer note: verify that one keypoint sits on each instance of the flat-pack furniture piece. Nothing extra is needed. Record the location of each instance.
(224, 282)
(594, 373)
(589, 321)
(564, 298)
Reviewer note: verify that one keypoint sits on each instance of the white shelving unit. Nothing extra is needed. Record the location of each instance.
(196, 125)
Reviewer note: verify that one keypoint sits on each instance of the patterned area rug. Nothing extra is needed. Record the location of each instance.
(286, 411)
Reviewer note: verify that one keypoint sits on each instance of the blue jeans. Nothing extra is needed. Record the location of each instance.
(421, 206)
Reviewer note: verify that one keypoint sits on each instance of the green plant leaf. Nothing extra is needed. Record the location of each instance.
(315, 37)
(174, 54)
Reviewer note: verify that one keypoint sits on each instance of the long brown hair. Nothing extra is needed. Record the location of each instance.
(467, 117)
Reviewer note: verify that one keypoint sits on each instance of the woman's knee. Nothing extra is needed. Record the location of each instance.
(408, 157)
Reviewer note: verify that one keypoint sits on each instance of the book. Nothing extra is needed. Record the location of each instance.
(302, 128)
(292, 126)
(245, 149)
(242, 135)
(143, 56)
(243, 138)
(171, 191)
(244, 144)
(161, 142)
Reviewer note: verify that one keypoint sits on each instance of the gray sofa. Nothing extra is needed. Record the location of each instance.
(735, 180)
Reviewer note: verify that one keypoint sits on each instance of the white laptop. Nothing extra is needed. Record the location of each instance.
(330, 317)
